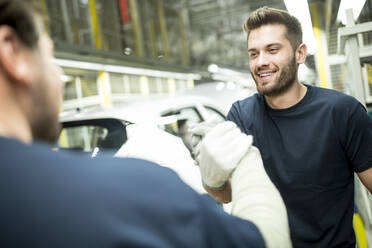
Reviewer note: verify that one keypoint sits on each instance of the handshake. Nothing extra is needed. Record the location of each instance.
(219, 152)
(225, 152)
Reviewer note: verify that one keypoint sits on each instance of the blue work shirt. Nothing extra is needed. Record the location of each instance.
(55, 199)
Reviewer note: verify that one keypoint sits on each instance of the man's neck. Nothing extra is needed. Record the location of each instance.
(289, 98)
(13, 124)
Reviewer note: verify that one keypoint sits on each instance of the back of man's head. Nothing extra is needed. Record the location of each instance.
(30, 85)
(24, 17)
(266, 15)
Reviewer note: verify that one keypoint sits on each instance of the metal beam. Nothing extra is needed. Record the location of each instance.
(352, 52)
(163, 29)
(153, 38)
(328, 15)
(66, 22)
(136, 27)
(345, 32)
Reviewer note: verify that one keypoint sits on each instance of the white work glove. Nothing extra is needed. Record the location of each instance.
(220, 152)
(198, 131)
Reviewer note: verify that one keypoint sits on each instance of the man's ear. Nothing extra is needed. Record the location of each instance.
(301, 53)
(15, 57)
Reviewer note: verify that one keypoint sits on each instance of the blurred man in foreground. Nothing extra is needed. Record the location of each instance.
(61, 200)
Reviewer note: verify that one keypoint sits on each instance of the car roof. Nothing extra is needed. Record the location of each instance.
(138, 111)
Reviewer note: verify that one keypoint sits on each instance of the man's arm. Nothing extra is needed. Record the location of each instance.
(366, 178)
(227, 153)
(222, 195)
(255, 198)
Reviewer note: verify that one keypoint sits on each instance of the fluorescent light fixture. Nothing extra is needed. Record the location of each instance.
(300, 9)
(125, 69)
(213, 68)
(66, 78)
(220, 86)
(231, 85)
(355, 5)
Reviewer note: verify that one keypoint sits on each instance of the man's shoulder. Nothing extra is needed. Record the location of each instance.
(251, 100)
(249, 104)
(333, 97)
(41, 157)
(120, 176)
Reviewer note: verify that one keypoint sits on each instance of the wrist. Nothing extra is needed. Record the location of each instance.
(214, 186)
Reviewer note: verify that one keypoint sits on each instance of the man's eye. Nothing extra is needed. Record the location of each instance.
(252, 54)
(273, 50)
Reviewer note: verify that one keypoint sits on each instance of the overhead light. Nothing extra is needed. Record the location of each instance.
(300, 9)
(66, 78)
(231, 85)
(220, 86)
(127, 51)
(125, 69)
(355, 5)
(213, 68)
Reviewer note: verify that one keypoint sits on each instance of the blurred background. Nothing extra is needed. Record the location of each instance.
(113, 51)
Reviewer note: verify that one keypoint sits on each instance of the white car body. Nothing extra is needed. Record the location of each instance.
(143, 132)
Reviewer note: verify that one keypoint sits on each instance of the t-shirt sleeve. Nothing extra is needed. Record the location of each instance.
(358, 139)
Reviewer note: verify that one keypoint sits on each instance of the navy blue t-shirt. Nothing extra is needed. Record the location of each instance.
(54, 199)
(310, 152)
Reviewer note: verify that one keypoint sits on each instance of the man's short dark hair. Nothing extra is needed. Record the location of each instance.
(266, 15)
(22, 16)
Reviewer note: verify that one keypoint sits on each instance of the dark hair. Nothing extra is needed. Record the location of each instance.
(266, 15)
(23, 16)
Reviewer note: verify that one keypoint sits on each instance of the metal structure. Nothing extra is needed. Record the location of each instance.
(356, 56)
(184, 36)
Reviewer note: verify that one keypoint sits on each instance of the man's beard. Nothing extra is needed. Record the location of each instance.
(286, 80)
(44, 120)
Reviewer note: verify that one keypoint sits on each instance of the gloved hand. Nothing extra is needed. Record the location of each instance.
(198, 131)
(220, 152)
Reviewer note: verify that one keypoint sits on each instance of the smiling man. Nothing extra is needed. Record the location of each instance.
(311, 139)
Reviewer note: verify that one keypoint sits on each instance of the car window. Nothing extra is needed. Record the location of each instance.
(177, 120)
(214, 114)
(182, 119)
(93, 136)
(82, 138)
(190, 114)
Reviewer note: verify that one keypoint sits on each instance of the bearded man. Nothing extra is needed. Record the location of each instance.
(311, 139)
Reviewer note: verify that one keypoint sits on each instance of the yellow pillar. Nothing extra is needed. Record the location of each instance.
(171, 86)
(95, 24)
(63, 142)
(136, 27)
(45, 13)
(190, 83)
(360, 232)
(320, 54)
(104, 89)
(185, 44)
(144, 86)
